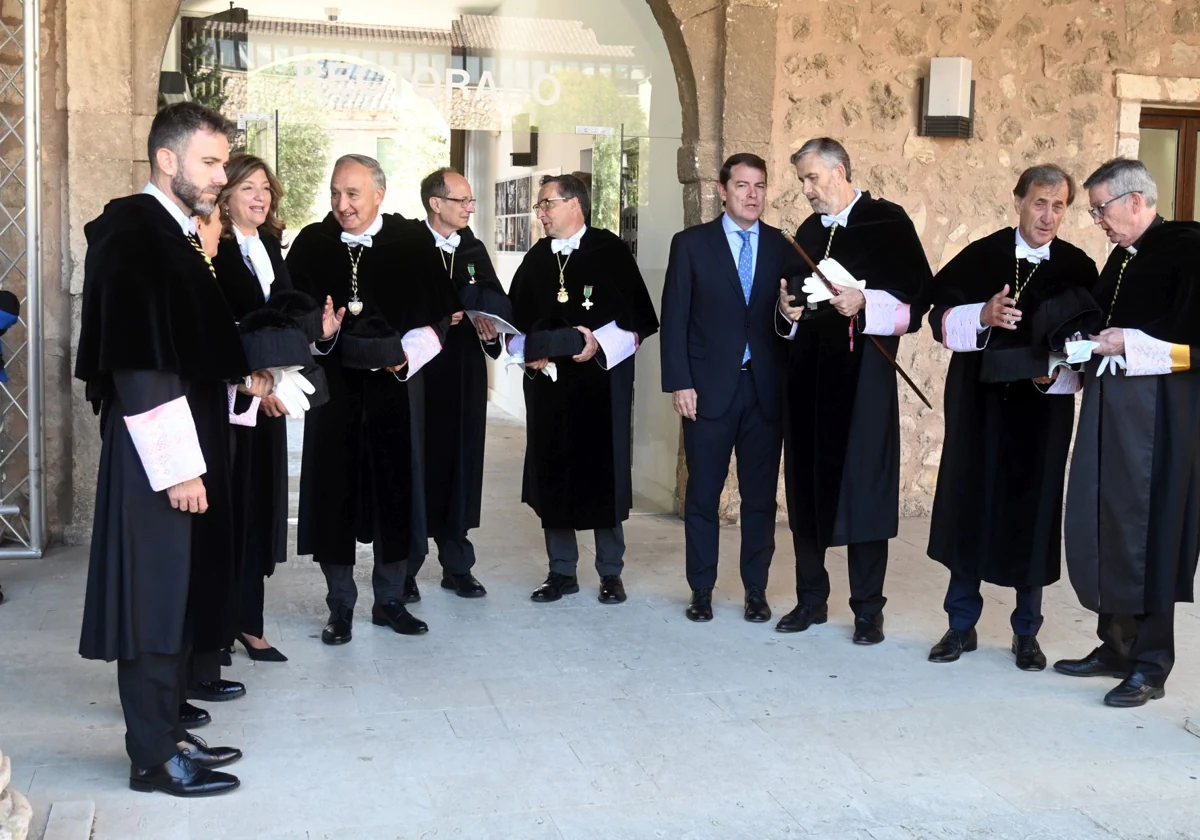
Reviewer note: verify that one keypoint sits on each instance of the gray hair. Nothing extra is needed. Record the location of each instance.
(830, 150)
(1125, 175)
(377, 174)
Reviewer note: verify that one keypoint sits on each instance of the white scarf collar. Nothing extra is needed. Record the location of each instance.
(449, 244)
(571, 243)
(1025, 251)
(365, 238)
(256, 256)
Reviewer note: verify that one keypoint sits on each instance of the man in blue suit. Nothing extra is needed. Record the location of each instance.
(723, 364)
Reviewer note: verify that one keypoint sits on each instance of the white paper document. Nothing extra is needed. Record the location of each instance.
(502, 326)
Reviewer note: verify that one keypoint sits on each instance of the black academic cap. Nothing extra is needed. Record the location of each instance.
(271, 339)
(371, 344)
(553, 344)
(1071, 311)
(305, 311)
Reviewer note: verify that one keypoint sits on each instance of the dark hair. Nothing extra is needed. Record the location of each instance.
(570, 186)
(829, 150)
(741, 159)
(1125, 175)
(1045, 175)
(240, 167)
(433, 185)
(174, 126)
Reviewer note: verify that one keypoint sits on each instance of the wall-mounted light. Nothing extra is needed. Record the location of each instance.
(948, 99)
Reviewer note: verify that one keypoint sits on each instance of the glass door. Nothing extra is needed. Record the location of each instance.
(1169, 141)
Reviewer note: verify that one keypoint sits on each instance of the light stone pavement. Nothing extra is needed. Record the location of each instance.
(576, 720)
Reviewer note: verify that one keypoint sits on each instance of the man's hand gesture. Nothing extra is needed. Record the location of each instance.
(792, 313)
(1000, 311)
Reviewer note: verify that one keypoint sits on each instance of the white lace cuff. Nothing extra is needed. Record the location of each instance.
(1067, 382)
(960, 328)
(249, 417)
(1146, 356)
(420, 346)
(617, 344)
(166, 441)
(884, 314)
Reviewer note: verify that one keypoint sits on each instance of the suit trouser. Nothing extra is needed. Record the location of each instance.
(151, 689)
(964, 606)
(707, 444)
(1145, 643)
(251, 599)
(562, 547)
(867, 569)
(456, 554)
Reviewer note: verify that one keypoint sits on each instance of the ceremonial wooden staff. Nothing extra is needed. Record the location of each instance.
(821, 276)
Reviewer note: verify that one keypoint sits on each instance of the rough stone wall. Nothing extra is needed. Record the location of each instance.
(1044, 91)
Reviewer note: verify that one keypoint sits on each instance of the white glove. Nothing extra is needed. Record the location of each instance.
(835, 273)
(291, 388)
(1111, 363)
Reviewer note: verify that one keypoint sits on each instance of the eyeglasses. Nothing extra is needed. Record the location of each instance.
(462, 202)
(546, 203)
(1097, 212)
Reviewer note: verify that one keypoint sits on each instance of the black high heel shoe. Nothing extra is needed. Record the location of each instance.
(267, 654)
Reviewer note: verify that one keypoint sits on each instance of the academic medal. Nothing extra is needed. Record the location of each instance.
(471, 271)
(587, 297)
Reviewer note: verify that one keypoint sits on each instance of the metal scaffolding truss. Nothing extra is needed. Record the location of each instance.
(22, 437)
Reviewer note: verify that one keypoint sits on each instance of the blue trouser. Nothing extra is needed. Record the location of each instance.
(964, 605)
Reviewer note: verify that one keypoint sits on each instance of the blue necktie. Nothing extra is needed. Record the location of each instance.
(746, 275)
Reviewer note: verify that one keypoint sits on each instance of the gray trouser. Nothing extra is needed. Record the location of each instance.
(563, 550)
(387, 579)
(456, 554)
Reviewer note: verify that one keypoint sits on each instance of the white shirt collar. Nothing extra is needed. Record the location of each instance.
(1025, 251)
(843, 218)
(365, 238)
(730, 226)
(449, 244)
(571, 243)
(186, 223)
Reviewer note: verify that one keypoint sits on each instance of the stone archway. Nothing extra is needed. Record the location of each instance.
(114, 51)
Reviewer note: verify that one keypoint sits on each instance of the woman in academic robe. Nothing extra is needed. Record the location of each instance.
(250, 269)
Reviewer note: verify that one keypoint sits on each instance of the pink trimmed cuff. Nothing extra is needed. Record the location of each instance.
(884, 314)
(1067, 382)
(960, 328)
(420, 346)
(249, 417)
(167, 444)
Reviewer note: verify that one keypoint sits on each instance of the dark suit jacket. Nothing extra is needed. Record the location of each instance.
(706, 323)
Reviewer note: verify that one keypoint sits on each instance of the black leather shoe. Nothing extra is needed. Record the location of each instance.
(700, 609)
(216, 691)
(1094, 664)
(612, 591)
(1029, 653)
(339, 628)
(464, 585)
(394, 614)
(191, 717)
(868, 629)
(803, 617)
(555, 587)
(412, 593)
(757, 609)
(953, 645)
(1134, 691)
(180, 776)
(198, 751)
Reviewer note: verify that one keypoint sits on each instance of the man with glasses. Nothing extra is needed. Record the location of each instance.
(583, 308)
(1132, 521)
(456, 381)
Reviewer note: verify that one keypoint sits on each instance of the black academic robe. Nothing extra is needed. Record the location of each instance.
(997, 511)
(362, 472)
(578, 446)
(456, 384)
(154, 327)
(842, 418)
(1133, 496)
(260, 469)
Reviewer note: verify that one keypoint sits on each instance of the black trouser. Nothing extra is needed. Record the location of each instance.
(562, 548)
(201, 666)
(456, 554)
(1143, 643)
(387, 580)
(707, 445)
(252, 596)
(151, 689)
(867, 569)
